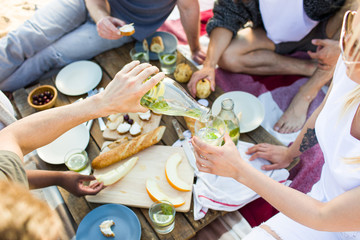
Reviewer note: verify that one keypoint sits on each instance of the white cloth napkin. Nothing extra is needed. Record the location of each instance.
(223, 193)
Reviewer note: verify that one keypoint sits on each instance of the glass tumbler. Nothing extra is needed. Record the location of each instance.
(162, 216)
(211, 130)
(139, 53)
(168, 61)
(77, 160)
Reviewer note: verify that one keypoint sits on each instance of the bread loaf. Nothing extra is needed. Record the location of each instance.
(129, 148)
(157, 44)
(190, 123)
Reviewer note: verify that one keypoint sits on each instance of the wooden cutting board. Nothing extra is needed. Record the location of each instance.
(131, 189)
(146, 126)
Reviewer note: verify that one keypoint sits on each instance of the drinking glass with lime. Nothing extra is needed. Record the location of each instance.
(168, 61)
(77, 160)
(211, 130)
(139, 53)
(162, 215)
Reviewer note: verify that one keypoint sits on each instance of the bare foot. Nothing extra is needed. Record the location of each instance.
(294, 117)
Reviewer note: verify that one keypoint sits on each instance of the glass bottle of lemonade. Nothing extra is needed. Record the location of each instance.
(170, 98)
(230, 119)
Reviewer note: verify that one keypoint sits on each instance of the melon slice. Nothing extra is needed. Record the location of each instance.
(172, 176)
(118, 173)
(157, 194)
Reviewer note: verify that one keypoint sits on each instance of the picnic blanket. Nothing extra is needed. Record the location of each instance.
(276, 93)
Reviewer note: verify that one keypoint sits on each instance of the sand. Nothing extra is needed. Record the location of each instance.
(15, 12)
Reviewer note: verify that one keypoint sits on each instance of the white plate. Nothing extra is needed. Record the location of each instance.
(252, 110)
(54, 152)
(169, 40)
(78, 78)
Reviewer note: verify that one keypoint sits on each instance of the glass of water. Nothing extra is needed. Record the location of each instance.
(162, 216)
(168, 61)
(211, 130)
(139, 53)
(77, 160)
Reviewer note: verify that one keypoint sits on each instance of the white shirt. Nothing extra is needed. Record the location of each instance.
(285, 20)
(336, 142)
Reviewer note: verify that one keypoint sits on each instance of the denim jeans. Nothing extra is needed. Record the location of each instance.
(59, 33)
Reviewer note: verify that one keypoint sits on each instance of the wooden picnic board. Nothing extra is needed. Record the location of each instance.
(146, 126)
(131, 189)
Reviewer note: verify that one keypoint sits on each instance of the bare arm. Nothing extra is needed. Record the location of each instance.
(339, 214)
(123, 94)
(71, 181)
(220, 39)
(190, 19)
(98, 9)
(106, 25)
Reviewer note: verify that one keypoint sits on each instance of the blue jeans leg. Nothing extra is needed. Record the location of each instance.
(79, 44)
(48, 24)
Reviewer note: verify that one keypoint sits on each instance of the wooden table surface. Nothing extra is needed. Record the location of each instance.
(111, 62)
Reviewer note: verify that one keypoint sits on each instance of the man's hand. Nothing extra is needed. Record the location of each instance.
(205, 72)
(278, 155)
(199, 55)
(73, 182)
(107, 27)
(327, 53)
(124, 92)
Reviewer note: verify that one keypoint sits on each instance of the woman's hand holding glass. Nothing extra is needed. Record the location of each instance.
(223, 161)
(211, 131)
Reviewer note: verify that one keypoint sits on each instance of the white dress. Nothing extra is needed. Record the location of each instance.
(337, 177)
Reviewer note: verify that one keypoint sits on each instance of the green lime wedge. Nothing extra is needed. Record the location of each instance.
(76, 162)
(169, 59)
(139, 56)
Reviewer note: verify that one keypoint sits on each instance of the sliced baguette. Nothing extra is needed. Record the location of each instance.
(127, 30)
(129, 148)
(190, 123)
(157, 45)
(118, 142)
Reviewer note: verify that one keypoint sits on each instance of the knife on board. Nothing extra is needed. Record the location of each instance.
(178, 129)
(185, 144)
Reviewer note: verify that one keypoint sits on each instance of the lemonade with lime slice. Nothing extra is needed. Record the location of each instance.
(162, 215)
(167, 61)
(139, 54)
(77, 160)
(210, 135)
